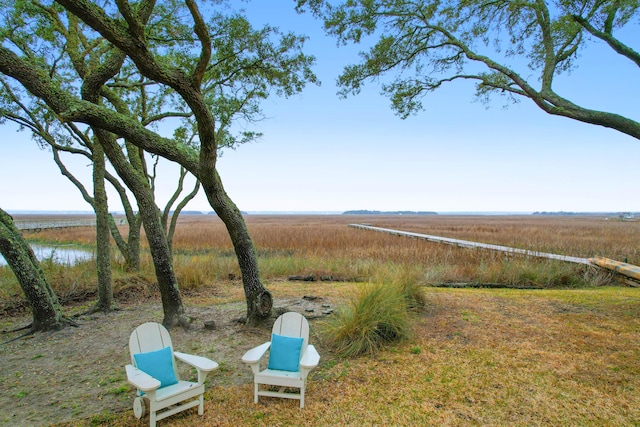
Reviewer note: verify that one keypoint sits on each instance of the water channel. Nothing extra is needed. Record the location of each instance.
(65, 255)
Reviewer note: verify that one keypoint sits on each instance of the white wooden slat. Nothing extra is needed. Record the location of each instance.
(45, 224)
(468, 244)
(149, 336)
(292, 324)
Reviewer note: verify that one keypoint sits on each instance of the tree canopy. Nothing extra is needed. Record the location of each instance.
(121, 68)
(422, 45)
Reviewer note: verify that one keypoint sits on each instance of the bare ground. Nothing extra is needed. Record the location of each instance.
(78, 372)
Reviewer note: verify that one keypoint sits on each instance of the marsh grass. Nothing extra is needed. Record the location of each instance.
(326, 246)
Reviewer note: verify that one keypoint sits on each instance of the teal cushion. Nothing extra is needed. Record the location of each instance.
(158, 364)
(285, 353)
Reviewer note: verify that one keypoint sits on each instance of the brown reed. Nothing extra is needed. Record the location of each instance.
(324, 245)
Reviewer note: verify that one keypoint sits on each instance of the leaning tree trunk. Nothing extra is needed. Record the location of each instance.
(105, 301)
(174, 313)
(130, 248)
(45, 308)
(172, 306)
(133, 174)
(258, 298)
(99, 204)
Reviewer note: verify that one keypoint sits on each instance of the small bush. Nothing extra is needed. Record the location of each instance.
(373, 318)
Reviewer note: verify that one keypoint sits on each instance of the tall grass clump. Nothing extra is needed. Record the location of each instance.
(409, 280)
(376, 316)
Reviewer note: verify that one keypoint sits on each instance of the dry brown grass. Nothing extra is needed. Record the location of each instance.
(328, 235)
(325, 246)
(477, 357)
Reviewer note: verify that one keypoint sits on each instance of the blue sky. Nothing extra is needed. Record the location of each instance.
(322, 153)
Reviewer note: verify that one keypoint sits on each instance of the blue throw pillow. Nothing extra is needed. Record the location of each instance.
(158, 364)
(285, 353)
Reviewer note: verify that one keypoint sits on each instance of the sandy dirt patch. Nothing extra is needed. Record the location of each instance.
(79, 372)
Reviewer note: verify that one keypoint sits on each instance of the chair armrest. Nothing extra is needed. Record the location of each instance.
(310, 358)
(198, 362)
(141, 380)
(255, 354)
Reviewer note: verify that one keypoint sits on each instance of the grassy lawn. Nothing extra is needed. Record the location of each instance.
(476, 357)
(568, 355)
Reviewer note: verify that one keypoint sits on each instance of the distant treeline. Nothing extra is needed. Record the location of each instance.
(366, 212)
(614, 214)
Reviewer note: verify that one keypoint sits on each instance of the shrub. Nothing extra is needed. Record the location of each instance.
(376, 316)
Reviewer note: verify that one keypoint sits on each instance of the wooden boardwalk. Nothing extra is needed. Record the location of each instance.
(470, 245)
(46, 224)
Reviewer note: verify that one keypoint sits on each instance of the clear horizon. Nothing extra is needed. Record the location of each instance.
(323, 153)
(324, 212)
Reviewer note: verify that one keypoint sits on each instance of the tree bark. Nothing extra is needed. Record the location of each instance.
(45, 308)
(130, 249)
(105, 301)
(259, 300)
(174, 313)
(133, 173)
(188, 86)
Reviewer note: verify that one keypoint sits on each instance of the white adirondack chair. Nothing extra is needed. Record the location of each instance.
(151, 349)
(289, 325)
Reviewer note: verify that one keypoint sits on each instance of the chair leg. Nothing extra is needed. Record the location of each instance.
(152, 418)
(302, 396)
(255, 393)
(201, 405)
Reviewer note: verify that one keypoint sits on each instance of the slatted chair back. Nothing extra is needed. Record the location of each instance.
(292, 324)
(150, 336)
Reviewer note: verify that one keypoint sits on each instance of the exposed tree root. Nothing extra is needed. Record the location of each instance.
(66, 321)
(26, 334)
(18, 329)
(96, 309)
(181, 320)
(69, 322)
